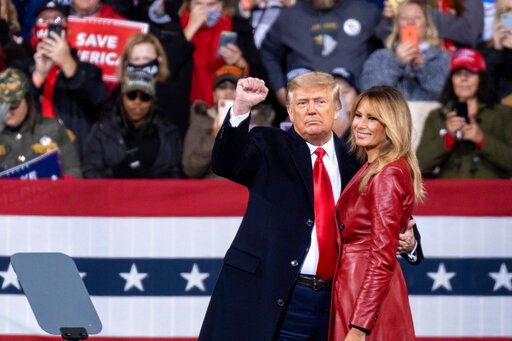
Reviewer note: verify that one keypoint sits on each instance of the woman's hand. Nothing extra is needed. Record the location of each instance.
(406, 240)
(454, 123)
(355, 335)
(502, 37)
(406, 52)
(198, 17)
(233, 56)
(472, 132)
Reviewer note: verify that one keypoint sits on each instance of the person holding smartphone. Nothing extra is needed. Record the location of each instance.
(412, 61)
(69, 90)
(204, 23)
(498, 54)
(450, 146)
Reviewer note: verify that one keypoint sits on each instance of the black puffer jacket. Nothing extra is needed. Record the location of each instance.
(106, 148)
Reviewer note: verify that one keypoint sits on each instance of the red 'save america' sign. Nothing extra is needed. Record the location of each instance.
(101, 41)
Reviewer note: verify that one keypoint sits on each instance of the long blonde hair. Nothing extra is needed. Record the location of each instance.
(432, 36)
(141, 38)
(389, 107)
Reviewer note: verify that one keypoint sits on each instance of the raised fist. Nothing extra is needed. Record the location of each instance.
(249, 92)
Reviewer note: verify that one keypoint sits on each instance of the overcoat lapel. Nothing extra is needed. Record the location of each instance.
(301, 157)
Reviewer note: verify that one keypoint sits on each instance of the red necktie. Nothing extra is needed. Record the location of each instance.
(324, 216)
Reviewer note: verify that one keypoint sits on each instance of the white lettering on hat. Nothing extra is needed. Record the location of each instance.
(352, 27)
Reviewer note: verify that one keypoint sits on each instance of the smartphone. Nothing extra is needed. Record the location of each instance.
(222, 109)
(409, 34)
(461, 108)
(506, 19)
(226, 37)
(57, 28)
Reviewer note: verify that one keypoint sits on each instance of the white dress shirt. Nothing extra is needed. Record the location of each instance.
(331, 164)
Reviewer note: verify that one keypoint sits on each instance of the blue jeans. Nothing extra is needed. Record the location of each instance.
(307, 316)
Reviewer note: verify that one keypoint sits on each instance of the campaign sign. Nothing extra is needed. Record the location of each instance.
(101, 41)
(46, 166)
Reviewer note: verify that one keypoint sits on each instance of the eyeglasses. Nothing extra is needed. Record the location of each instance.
(144, 97)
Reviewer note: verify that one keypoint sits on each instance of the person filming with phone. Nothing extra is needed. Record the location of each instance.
(412, 61)
(68, 89)
(470, 136)
(498, 54)
(207, 24)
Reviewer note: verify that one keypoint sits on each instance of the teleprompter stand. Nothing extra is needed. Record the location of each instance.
(73, 334)
(57, 294)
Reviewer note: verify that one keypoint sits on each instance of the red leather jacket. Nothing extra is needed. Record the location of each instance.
(369, 289)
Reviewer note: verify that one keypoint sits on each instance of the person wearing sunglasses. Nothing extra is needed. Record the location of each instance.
(132, 140)
(24, 133)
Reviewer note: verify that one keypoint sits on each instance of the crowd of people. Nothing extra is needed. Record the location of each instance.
(160, 119)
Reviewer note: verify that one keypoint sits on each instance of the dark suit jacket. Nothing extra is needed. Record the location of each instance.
(264, 260)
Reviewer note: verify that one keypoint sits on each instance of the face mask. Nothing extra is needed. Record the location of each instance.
(213, 17)
(150, 67)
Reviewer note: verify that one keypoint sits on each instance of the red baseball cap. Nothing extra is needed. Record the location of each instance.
(467, 59)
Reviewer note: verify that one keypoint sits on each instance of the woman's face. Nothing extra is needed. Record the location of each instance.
(137, 105)
(143, 53)
(368, 131)
(465, 84)
(412, 15)
(17, 115)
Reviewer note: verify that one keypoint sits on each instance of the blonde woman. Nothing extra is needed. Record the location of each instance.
(369, 292)
(144, 52)
(412, 60)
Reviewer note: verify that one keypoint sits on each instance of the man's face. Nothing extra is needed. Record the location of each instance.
(225, 90)
(312, 111)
